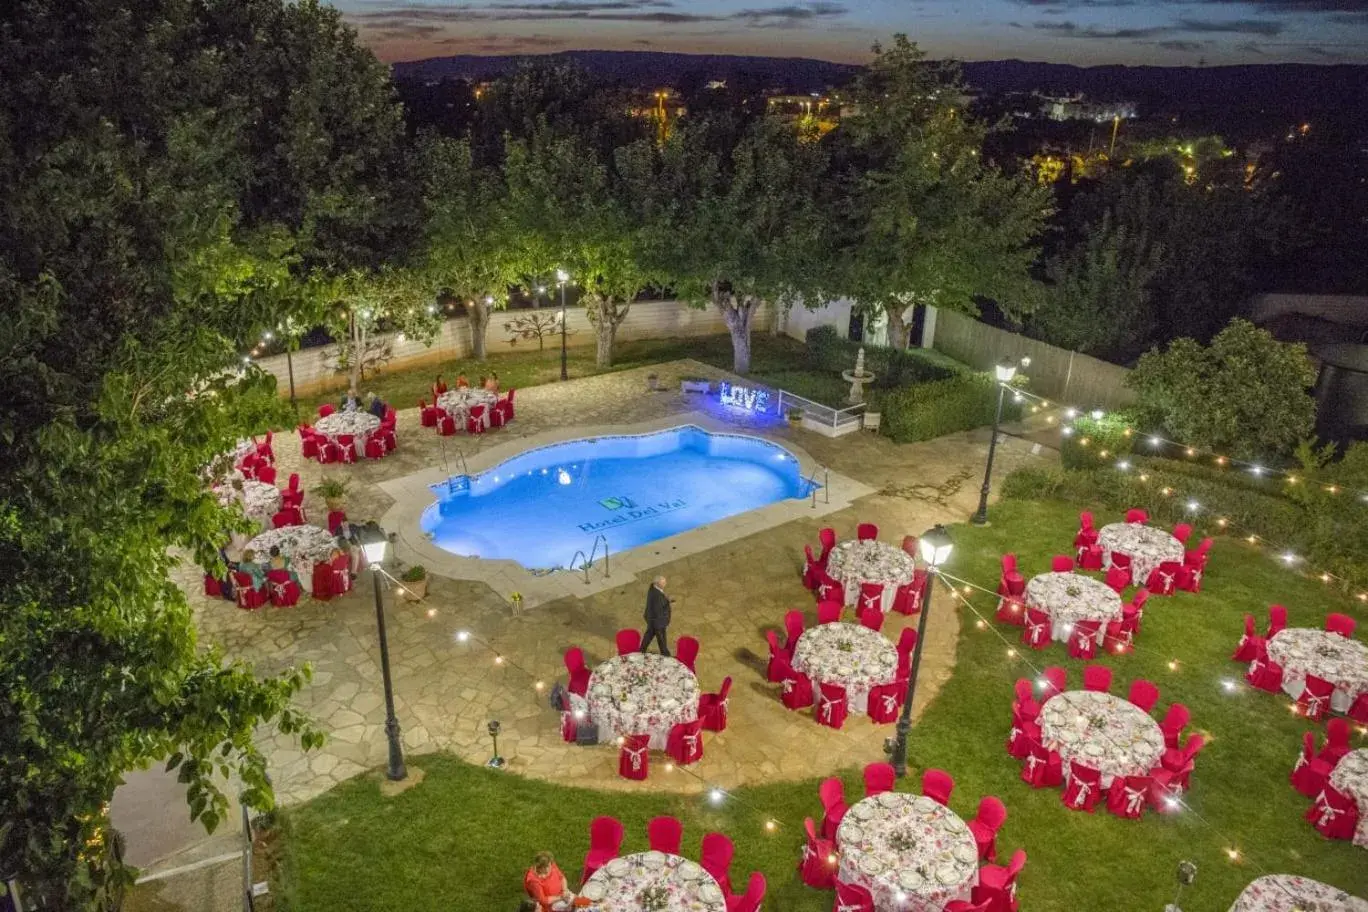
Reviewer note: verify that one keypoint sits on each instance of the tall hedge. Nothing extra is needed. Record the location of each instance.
(932, 410)
(827, 351)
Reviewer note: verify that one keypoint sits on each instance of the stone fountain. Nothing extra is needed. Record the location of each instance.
(857, 378)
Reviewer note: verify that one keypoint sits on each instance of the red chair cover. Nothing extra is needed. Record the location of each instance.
(873, 618)
(1265, 674)
(1277, 620)
(712, 708)
(341, 575)
(828, 539)
(475, 421)
(212, 586)
(831, 705)
(1043, 768)
(446, 425)
(1173, 723)
(997, 884)
(829, 612)
(309, 446)
(793, 629)
(853, 897)
(1336, 740)
(685, 743)
(1097, 677)
(797, 690)
(715, 857)
(1056, 682)
(1036, 634)
(248, 598)
(335, 520)
(1190, 578)
(866, 531)
(817, 867)
(938, 785)
(664, 834)
(885, 701)
(1310, 773)
(1314, 701)
(779, 665)
(375, 446)
(1143, 694)
(628, 641)
(1128, 796)
(496, 415)
(991, 815)
(1341, 624)
(1251, 645)
(579, 672)
(1090, 557)
(1084, 789)
(266, 474)
(1163, 579)
(634, 759)
(1117, 578)
(1011, 610)
(812, 568)
(1358, 710)
(1334, 814)
(285, 592)
(1083, 639)
(605, 841)
(1023, 734)
(1024, 705)
(686, 651)
(828, 590)
(908, 598)
(427, 413)
(1137, 516)
(832, 795)
(871, 597)
(879, 778)
(323, 581)
(1061, 563)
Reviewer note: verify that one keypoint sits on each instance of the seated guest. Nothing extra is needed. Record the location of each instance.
(249, 566)
(439, 386)
(491, 383)
(462, 383)
(279, 561)
(349, 403)
(377, 407)
(545, 883)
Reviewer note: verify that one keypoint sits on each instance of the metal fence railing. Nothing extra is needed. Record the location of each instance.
(838, 420)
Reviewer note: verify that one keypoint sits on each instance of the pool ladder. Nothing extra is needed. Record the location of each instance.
(587, 562)
(826, 484)
(446, 464)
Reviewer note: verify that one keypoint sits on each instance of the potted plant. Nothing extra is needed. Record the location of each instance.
(795, 416)
(333, 491)
(415, 580)
(652, 381)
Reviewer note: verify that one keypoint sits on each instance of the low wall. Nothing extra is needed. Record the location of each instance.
(1055, 373)
(316, 368)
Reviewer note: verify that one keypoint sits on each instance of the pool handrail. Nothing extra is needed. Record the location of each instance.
(826, 484)
(588, 560)
(446, 464)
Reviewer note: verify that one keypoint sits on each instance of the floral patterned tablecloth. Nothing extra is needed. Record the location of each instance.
(1105, 732)
(913, 854)
(641, 694)
(1340, 660)
(458, 402)
(850, 655)
(1350, 776)
(1147, 547)
(260, 501)
(303, 546)
(854, 562)
(1289, 893)
(653, 882)
(357, 423)
(1072, 597)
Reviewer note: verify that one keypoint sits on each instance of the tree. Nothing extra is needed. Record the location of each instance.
(368, 307)
(153, 224)
(1245, 394)
(734, 226)
(919, 216)
(1098, 299)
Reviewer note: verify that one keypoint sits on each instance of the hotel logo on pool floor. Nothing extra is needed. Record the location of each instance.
(625, 511)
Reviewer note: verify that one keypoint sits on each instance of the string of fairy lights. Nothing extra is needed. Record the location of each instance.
(962, 590)
(1122, 464)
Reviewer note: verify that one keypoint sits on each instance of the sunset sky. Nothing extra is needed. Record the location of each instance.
(1175, 32)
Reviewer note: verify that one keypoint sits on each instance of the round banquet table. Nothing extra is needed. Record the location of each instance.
(1146, 546)
(1289, 893)
(849, 655)
(1072, 597)
(1350, 776)
(1340, 660)
(303, 546)
(641, 694)
(1107, 733)
(669, 884)
(854, 562)
(913, 854)
(458, 402)
(358, 424)
(260, 501)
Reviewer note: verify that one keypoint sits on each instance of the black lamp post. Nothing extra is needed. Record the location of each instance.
(373, 545)
(1004, 371)
(935, 547)
(562, 277)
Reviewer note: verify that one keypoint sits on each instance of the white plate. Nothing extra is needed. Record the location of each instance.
(618, 867)
(871, 866)
(965, 854)
(862, 811)
(653, 859)
(592, 891)
(910, 880)
(710, 892)
(948, 874)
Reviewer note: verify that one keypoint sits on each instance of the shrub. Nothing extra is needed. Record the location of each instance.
(413, 573)
(932, 410)
(827, 351)
(1093, 437)
(1245, 394)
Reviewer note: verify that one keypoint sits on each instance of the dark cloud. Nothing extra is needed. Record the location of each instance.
(649, 11)
(789, 16)
(1265, 27)
(1070, 29)
(1250, 47)
(1175, 45)
(1060, 5)
(1324, 53)
(1297, 6)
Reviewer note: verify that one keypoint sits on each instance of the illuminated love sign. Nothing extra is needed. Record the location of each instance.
(744, 397)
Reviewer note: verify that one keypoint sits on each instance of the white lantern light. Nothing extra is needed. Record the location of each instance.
(1005, 371)
(373, 545)
(935, 546)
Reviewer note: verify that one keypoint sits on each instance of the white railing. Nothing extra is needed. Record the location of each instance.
(838, 420)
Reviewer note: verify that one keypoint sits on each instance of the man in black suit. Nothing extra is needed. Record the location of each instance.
(657, 616)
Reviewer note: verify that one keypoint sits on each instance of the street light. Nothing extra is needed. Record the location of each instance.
(562, 277)
(935, 547)
(373, 545)
(1004, 372)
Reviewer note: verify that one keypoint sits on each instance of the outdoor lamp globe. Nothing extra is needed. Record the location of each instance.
(935, 546)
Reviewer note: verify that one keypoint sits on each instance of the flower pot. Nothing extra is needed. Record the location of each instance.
(335, 504)
(795, 418)
(414, 590)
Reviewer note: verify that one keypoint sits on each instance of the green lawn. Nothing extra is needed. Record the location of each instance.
(778, 361)
(462, 839)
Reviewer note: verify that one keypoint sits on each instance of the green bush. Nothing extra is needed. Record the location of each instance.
(1334, 541)
(1097, 442)
(827, 351)
(932, 410)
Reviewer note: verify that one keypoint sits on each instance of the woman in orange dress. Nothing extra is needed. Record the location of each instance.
(545, 883)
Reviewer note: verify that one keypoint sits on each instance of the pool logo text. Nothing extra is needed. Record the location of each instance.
(625, 510)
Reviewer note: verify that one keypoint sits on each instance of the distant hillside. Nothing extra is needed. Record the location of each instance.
(1291, 88)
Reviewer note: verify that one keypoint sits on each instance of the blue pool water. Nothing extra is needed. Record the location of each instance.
(542, 506)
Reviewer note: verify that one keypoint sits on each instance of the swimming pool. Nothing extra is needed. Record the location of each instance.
(542, 506)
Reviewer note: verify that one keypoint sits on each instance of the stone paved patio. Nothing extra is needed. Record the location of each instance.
(726, 596)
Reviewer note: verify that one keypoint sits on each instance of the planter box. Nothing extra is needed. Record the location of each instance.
(827, 430)
(414, 591)
(694, 386)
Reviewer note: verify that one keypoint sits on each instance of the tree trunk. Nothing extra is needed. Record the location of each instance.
(606, 332)
(897, 327)
(737, 315)
(778, 318)
(358, 353)
(479, 322)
